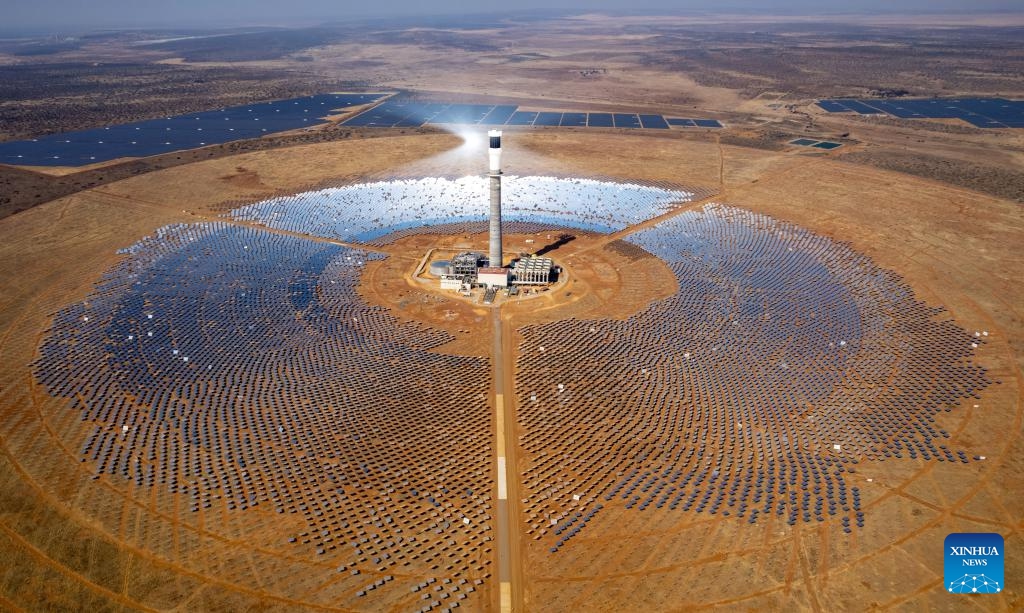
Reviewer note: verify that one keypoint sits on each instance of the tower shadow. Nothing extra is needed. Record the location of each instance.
(563, 239)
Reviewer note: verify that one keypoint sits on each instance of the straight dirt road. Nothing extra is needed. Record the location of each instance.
(510, 575)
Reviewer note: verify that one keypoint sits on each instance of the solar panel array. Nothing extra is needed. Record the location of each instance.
(238, 368)
(402, 113)
(194, 130)
(817, 144)
(156, 136)
(728, 397)
(694, 123)
(372, 212)
(979, 112)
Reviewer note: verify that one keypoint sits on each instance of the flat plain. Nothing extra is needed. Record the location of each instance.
(935, 203)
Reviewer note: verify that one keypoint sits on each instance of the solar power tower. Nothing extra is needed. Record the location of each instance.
(494, 154)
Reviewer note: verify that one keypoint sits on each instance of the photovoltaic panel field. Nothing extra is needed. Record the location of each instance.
(156, 136)
(396, 113)
(979, 112)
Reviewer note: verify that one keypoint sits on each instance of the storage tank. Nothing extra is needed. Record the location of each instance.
(440, 267)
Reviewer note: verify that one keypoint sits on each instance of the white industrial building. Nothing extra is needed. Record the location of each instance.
(492, 276)
(452, 282)
(532, 271)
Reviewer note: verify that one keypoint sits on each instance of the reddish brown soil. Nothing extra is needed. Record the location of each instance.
(71, 542)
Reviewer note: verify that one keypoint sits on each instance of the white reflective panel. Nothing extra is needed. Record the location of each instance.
(368, 211)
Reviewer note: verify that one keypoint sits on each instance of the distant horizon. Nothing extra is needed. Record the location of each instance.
(26, 21)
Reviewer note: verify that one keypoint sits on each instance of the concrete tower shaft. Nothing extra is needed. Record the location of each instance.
(494, 151)
(494, 156)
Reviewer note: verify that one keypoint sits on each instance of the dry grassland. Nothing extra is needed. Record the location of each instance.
(71, 542)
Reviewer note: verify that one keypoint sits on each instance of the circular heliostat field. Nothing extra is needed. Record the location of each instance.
(232, 371)
(783, 361)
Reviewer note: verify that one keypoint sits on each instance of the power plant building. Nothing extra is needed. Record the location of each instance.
(493, 276)
(532, 271)
(469, 268)
(466, 264)
(451, 282)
